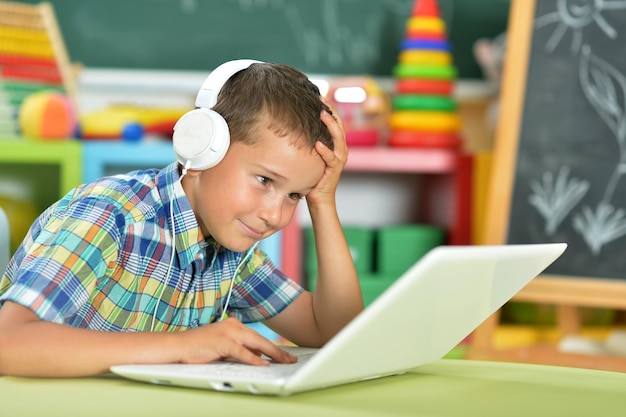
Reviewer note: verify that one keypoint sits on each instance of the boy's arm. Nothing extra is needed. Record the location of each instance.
(313, 319)
(32, 347)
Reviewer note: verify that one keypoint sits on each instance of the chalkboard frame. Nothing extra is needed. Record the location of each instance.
(549, 289)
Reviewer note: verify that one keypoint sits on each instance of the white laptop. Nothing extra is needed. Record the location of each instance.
(428, 311)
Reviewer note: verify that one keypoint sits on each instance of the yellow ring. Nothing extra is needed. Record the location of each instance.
(432, 121)
(414, 57)
(429, 24)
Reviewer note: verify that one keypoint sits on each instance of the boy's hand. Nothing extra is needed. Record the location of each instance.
(334, 160)
(230, 339)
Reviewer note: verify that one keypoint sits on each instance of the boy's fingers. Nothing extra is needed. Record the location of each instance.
(263, 346)
(253, 356)
(231, 339)
(256, 345)
(337, 132)
(332, 112)
(242, 354)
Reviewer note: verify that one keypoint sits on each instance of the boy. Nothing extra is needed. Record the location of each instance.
(99, 280)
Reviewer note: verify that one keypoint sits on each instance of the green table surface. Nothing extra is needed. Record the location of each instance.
(446, 388)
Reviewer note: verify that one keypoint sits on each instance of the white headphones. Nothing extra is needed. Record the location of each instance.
(201, 136)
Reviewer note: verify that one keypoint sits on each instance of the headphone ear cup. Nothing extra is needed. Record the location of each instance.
(201, 139)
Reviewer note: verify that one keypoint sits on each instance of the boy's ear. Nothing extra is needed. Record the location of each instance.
(190, 171)
(194, 172)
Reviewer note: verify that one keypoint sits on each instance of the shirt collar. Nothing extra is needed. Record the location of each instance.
(189, 241)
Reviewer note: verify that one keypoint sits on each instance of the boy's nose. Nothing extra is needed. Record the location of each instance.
(271, 212)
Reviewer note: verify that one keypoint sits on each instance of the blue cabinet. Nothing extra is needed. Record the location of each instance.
(102, 158)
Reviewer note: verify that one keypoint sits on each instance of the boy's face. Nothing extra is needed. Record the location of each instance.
(254, 191)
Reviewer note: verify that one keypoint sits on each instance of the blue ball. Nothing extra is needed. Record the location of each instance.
(132, 132)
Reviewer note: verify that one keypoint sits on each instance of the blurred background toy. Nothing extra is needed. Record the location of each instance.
(17, 203)
(47, 115)
(424, 111)
(489, 54)
(129, 122)
(33, 59)
(363, 106)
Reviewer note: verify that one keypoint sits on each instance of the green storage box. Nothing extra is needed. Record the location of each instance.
(372, 285)
(399, 247)
(361, 243)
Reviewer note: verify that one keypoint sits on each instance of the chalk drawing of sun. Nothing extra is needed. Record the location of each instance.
(575, 15)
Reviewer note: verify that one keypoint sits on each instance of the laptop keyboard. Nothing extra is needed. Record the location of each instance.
(239, 370)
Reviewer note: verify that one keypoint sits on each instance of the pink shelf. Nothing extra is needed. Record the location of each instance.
(410, 160)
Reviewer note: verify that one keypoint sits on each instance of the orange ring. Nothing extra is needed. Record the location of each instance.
(424, 86)
(409, 139)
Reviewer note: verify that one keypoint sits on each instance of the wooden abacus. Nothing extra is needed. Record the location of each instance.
(32, 51)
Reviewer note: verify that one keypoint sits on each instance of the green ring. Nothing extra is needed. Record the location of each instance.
(423, 102)
(446, 72)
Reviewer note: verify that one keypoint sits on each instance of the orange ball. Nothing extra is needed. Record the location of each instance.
(48, 115)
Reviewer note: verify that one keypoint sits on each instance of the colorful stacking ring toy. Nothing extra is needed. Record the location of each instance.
(424, 112)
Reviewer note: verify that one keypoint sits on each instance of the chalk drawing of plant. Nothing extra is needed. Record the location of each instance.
(600, 227)
(554, 198)
(605, 89)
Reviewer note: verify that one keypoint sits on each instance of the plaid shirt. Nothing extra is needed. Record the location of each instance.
(99, 259)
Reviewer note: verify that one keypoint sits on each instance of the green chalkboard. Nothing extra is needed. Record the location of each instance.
(317, 36)
(569, 172)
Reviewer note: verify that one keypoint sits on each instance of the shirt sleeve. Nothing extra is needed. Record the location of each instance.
(261, 290)
(62, 258)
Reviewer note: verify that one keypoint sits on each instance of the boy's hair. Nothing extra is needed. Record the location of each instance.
(276, 94)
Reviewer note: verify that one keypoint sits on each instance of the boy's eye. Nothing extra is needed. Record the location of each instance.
(267, 181)
(263, 180)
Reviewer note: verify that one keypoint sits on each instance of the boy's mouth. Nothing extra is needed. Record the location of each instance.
(250, 231)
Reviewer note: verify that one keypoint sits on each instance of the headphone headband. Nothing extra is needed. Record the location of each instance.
(207, 96)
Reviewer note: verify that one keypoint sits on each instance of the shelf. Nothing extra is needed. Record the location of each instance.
(33, 175)
(103, 158)
(65, 154)
(402, 160)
